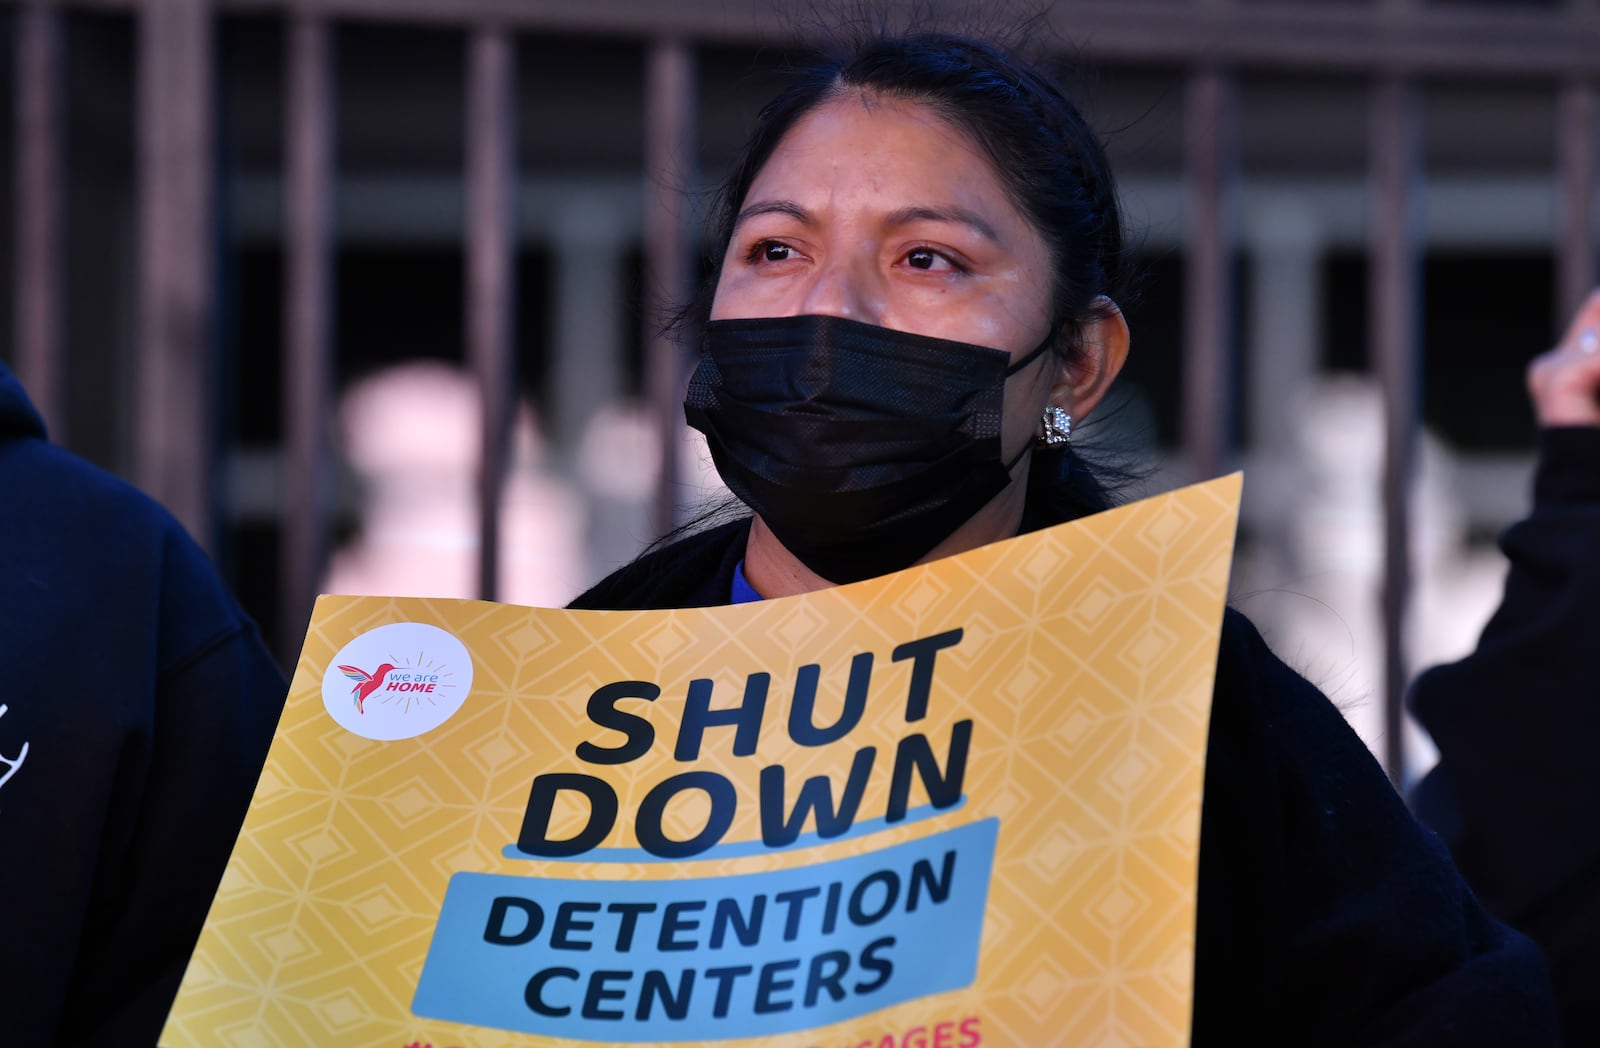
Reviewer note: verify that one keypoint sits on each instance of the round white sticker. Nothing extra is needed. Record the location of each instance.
(397, 681)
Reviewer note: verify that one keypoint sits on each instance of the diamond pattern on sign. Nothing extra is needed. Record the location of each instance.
(1042, 989)
(1051, 855)
(667, 641)
(284, 945)
(1043, 564)
(1076, 727)
(342, 1011)
(377, 908)
(319, 846)
(800, 626)
(1143, 652)
(1094, 604)
(527, 638)
(201, 974)
(1085, 665)
(1127, 773)
(1023, 684)
(237, 878)
(411, 801)
(1116, 907)
(1167, 528)
(1007, 802)
(493, 754)
(270, 784)
(923, 596)
(246, 1035)
(348, 745)
(979, 636)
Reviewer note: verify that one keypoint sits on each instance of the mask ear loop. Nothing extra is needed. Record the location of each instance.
(1013, 463)
(1033, 355)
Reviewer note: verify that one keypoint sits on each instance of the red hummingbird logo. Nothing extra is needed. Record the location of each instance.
(366, 683)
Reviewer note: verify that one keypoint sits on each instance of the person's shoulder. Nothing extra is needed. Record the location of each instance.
(86, 538)
(1253, 683)
(1273, 729)
(694, 571)
(1251, 675)
(74, 501)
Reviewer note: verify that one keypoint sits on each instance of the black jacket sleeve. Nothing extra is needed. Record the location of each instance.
(1517, 723)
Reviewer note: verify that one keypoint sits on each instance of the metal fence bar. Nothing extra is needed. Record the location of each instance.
(1417, 37)
(37, 157)
(1211, 173)
(1575, 163)
(1395, 278)
(308, 312)
(491, 172)
(173, 446)
(670, 143)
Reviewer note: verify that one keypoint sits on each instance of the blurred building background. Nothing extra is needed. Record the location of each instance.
(369, 292)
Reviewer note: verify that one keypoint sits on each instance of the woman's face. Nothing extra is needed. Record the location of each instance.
(883, 212)
(880, 211)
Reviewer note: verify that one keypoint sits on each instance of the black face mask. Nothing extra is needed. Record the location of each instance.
(862, 448)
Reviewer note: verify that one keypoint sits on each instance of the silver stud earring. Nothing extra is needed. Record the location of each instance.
(1055, 429)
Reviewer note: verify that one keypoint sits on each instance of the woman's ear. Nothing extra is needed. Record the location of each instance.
(1102, 350)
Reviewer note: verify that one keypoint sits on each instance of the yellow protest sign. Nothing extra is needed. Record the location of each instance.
(953, 806)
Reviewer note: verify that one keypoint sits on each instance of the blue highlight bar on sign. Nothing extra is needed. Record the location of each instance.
(711, 958)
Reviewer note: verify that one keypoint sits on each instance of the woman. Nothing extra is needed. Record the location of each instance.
(915, 296)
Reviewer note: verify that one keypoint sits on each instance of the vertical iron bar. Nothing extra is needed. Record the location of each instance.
(491, 169)
(174, 446)
(670, 145)
(1395, 279)
(39, 271)
(1211, 170)
(307, 307)
(1575, 159)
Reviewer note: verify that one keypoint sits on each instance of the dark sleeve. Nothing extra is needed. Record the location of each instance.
(190, 770)
(1327, 914)
(1517, 723)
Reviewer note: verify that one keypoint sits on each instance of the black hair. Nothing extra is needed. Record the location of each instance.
(1052, 165)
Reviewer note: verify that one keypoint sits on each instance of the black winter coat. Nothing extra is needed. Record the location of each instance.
(1327, 914)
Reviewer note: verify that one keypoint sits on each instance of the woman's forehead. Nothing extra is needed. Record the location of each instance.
(886, 148)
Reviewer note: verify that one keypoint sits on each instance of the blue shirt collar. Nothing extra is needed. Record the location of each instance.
(741, 591)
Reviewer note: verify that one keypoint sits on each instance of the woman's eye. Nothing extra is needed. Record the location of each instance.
(772, 251)
(927, 258)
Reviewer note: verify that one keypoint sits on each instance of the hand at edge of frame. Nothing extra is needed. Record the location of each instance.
(1564, 382)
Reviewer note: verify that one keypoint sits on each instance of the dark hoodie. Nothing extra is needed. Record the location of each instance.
(138, 706)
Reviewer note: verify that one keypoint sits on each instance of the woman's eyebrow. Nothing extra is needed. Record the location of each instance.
(943, 213)
(774, 207)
